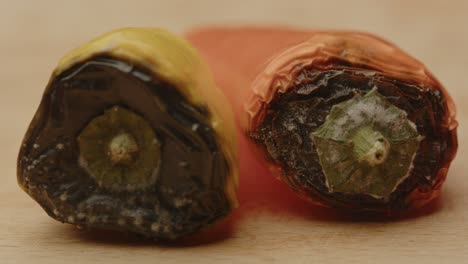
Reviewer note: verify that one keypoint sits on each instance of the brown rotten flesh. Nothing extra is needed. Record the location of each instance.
(127, 137)
(346, 119)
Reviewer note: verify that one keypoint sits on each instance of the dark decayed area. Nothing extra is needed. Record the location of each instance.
(285, 133)
(189, 189)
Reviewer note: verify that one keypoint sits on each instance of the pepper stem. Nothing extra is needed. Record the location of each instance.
(370, 145)
(122, 149)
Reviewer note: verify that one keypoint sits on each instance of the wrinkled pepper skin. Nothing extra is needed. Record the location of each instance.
(285, 84)
(132, 134)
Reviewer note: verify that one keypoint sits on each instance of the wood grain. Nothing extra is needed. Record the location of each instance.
(269, 229)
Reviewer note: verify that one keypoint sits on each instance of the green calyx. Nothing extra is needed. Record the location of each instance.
(366, 146)
(120, 150)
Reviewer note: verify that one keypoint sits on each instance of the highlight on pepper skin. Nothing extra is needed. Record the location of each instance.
(132, 135)
(346, 119)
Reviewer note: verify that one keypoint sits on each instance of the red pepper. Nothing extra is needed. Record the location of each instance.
(257, 67)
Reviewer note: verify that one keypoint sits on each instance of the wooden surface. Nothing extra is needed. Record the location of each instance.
(35, 34)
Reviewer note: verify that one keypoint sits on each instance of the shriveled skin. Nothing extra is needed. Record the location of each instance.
(264, 70)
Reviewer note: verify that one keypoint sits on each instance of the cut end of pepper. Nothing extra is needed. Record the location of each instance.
(130, 136)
